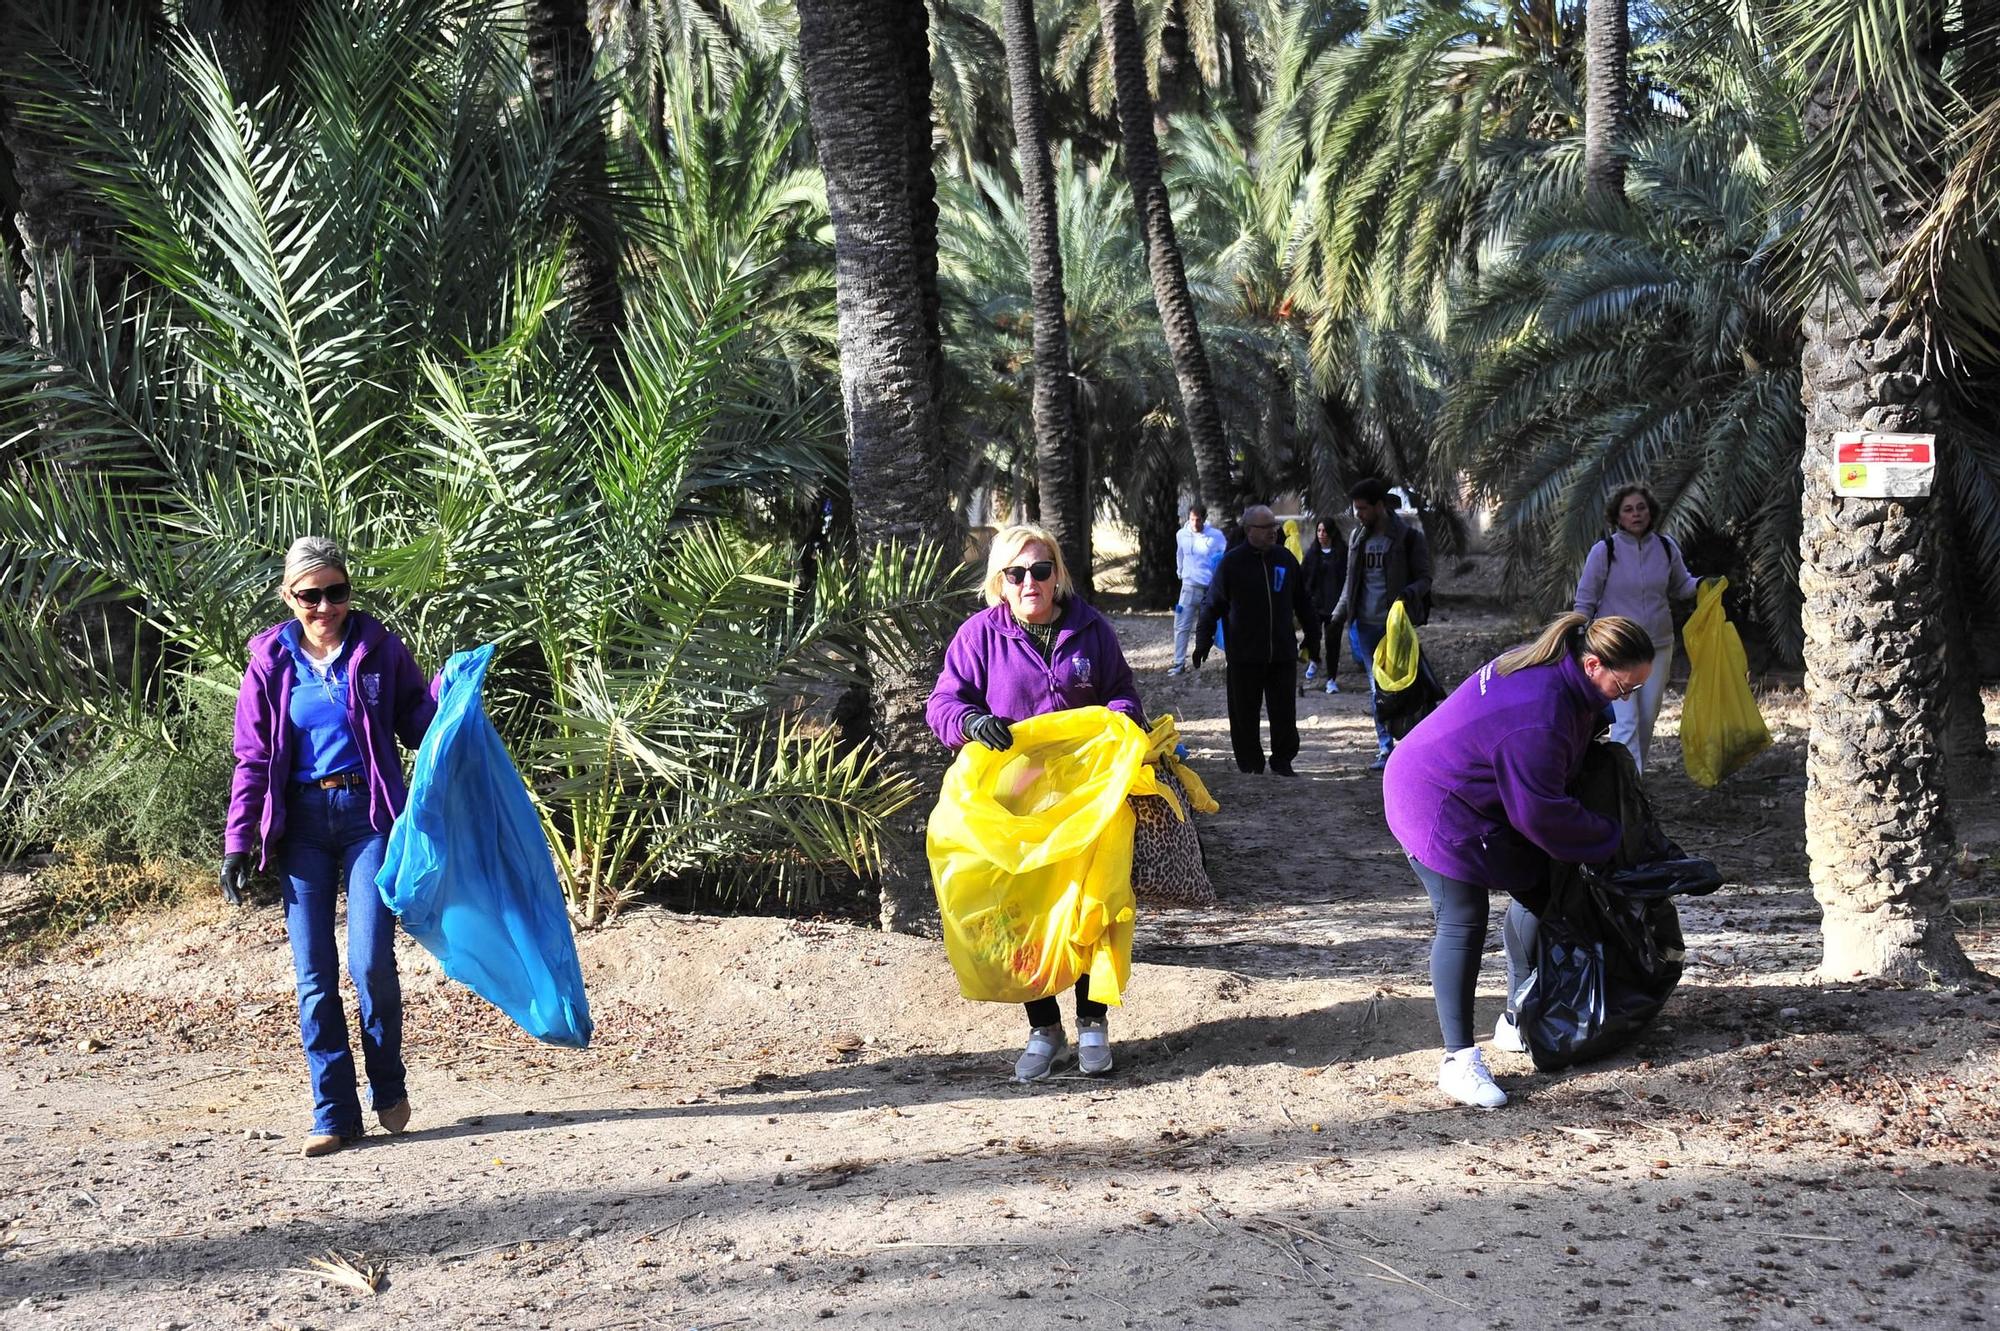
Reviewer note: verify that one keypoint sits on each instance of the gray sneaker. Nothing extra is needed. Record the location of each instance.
(1048, 1049)
(1093, 1047)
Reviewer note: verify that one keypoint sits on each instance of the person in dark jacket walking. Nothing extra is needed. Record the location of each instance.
(1388, 560)
(1478, 797)
(1325, 571)
(1257, 593)
(318, 783)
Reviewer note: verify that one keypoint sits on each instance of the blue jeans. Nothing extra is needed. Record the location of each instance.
(327, 844)
(1363, 639)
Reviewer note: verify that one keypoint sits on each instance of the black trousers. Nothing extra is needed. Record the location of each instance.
(1260, 687)
(1329, 660)
(1045, 1012)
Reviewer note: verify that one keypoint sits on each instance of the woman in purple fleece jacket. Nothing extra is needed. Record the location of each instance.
(1036, 648)
(318, 783)
(1478, 796)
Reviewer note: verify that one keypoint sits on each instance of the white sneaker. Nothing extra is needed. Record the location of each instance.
(1507, 1035)
(1093, 1047)
(1332, 686)
(1175, 670)
(1463, 1077)
(1312, 671)
(1047, 1050)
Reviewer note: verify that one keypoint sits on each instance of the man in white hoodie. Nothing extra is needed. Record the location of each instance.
(1198, 550)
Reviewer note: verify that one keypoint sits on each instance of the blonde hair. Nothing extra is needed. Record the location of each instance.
(1008, 543)
(310, 553)
(1614, 640)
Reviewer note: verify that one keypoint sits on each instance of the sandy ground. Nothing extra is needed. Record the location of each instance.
(785, 1123)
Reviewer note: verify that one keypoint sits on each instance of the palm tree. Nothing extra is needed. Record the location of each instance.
(1065, 509)
(301, 360)
(560, 58)
(868, 88)
(1879, 832)
(1140, 155)
(1607, 44)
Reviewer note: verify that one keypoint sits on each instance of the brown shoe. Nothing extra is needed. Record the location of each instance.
(396, 1117)
(323, 1144)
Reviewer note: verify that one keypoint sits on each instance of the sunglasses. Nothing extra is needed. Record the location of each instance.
(337, 594)
(1041, 571)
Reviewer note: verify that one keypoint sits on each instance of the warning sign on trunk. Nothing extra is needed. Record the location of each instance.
(1883, 466)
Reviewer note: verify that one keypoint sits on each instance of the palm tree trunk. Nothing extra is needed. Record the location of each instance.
(560, 55)
(867, 79)
(1607, 42)
(1878, 825)
(1057, 474)
(1141, 155)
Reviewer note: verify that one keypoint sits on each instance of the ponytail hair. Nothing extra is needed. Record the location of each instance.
(1614, 640)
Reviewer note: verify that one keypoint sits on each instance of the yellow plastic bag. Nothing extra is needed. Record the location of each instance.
(1292, 541)
(1031, 856)
(1721, 728)
(1399, 654)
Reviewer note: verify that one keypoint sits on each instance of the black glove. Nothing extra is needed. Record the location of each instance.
(235, 876)
(1200, 655)
(990, 730)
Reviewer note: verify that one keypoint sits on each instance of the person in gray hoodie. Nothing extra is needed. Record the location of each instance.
(1633, 573)
(1388, 560)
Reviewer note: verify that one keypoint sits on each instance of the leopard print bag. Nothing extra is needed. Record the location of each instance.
(1167, 864)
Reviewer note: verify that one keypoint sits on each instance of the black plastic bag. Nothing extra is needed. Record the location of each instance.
(1609, 949)
(1399, 711)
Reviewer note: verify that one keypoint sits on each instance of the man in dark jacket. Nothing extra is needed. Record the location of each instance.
(1257, 593)
(1388, 560)
(1325, 570)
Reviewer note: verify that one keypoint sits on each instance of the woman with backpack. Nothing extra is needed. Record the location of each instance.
(1633, 573)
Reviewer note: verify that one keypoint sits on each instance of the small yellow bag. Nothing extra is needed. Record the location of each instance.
(1031, 856)
(1721, 728)
(1399, 654)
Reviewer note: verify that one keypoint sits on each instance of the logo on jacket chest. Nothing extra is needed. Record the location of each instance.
(371, 688)
(1080, 670)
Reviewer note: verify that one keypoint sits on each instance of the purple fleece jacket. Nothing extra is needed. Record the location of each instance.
(387, 698)
(1479, 791)
(992, 667)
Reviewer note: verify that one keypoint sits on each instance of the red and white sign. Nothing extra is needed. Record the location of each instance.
(1883, 466)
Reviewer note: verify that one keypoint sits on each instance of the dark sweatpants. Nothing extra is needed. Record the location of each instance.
(1255, 688)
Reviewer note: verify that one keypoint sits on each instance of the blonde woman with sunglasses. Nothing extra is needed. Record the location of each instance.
(1036, 648)
(318, 782)
(1478, 796)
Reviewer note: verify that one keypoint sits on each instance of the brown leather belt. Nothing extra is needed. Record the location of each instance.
(339, 781)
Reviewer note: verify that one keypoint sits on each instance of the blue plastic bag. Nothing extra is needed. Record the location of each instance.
(470, 874)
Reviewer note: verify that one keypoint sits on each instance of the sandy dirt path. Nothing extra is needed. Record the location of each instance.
(790, 1123)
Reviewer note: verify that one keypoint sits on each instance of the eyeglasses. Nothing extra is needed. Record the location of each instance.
(1626, 690)
(1041, 571)
(1260, 526)
(337, 594)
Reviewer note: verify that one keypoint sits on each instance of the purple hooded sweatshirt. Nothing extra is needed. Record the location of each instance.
(1479, 791)
(991, 666)
(388, 698)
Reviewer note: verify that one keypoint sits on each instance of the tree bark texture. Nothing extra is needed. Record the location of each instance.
(1065, 506)
(560, 56)
(1606, 112)
(860, 59)
(1878, 824)
(1968, 760)
(1141, 155)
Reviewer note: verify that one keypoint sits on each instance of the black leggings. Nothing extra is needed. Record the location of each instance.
(1045, 1012)
(1460, 911)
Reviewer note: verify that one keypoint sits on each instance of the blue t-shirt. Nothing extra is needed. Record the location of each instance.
(322, 740)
